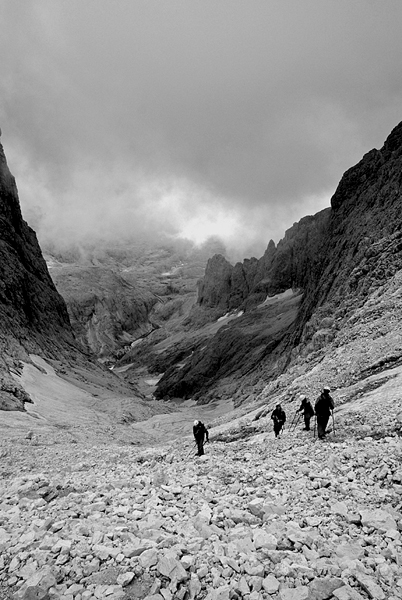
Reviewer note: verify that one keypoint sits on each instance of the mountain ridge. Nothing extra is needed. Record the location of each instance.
(337, 258)
(34, 319)
(33, 315)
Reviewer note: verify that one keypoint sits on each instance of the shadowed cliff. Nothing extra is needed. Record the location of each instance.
(339, 260)
(33, 315)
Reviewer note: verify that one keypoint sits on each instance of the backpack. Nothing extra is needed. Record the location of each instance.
(199, 430)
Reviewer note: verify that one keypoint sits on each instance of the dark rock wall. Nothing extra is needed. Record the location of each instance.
(290, 264)
(214, 290)
(336, 258)
(337, 252)
(33, 316)
(28, 297)
(362, 248)
(232, 353)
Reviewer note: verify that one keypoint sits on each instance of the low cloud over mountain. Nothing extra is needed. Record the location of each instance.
(192, 118)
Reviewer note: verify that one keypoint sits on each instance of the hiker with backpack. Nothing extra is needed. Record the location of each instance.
(324, 407)
(279, 418)
(308, 411)
(200, 433)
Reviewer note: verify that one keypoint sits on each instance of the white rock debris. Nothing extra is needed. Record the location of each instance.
(286, 519)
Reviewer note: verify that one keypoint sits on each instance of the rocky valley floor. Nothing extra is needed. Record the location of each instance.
(255, 518)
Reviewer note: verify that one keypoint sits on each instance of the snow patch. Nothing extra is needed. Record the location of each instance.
(279, 297)
(230, 316)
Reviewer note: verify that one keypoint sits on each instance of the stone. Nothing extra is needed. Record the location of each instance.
(262, 539)
(194, 586)
(298, 593)
(148, 558)
(170, 567)
(135, 549)
(347, 593)
(351, 551)
(323, 588)
(33, 593)
(4, 536)
(254, 569)
(369, 585)
(378, 518)
(220, 593)
(270, 584)
(296, 534)
(243, 587)
(256, 507)
(125, 578)
(39, 582)
(339, 508)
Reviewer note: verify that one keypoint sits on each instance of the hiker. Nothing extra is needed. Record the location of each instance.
(308, 411)
(323, 409)
(200, 433)
(279, 418)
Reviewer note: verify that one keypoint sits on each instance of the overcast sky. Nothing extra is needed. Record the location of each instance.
(197, 117)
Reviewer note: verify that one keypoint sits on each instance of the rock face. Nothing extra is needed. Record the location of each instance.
(119, 292)
(232, 353)
(33, 316)
(341, 260)
(331, 252)
(215, 289)
(291, 264)
(106, 311)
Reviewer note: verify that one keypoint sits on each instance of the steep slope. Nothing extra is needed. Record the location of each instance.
(295, 261)
(364, 237)
(231, 354)
(33, 316)
(34, 321)
(262, 518)
(344, 259)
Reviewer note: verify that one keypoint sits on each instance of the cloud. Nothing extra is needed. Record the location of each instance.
(135, 117)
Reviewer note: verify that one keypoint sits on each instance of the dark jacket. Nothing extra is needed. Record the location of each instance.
(279, 415)
(324, 405)
(306, 407)
(199, 431)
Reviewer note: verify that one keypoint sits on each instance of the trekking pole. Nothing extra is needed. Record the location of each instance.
(315, 424)
(333, 422)
(293, 420)
(298, 421)
(192, 448)
(294, 423)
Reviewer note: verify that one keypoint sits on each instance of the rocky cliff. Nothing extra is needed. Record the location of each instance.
(34, 321)
(106, 311)
(291, 264)
(362, 248)
(118, 293)
(33, 316)
(342, 260)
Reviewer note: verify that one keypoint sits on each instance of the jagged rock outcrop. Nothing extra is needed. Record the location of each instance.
(363, 246)
(214, 289)
(340, 259)
(33, 316)
(288, 265)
